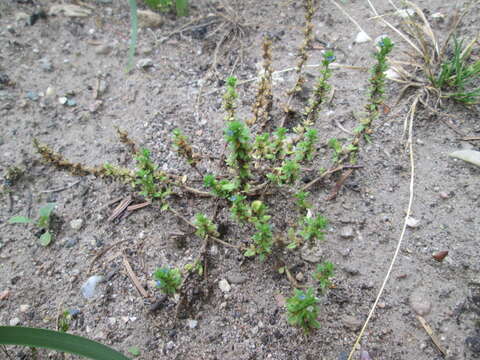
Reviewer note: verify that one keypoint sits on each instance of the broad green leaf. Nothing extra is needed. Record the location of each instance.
(249, 252)
(46, 238)
(42, 338)
(19, 220)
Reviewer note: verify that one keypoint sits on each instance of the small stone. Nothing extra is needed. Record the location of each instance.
(192, 324)
(147, 18)
(214, 250)
(46, 65)
(144, 63)
(76, 224)
(351, 270)
(351, 322)
(24, 308)
(311, 254)
(89, 288)
(170, 345)
(112, 321)
(362, 37)
(71, 103)
(146, 50)
(224, 285)
(104, 49)
(413, 223)
(420, 303)
(32, 95)
(4, 294)
(364, 355)
(346, 232)
(62, 100)
(254, 330)
(15, 321)
(300, 277)
(444, 195)
(50, 92)
(236, 278)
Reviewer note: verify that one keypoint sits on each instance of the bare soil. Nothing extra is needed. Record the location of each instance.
(84, 59)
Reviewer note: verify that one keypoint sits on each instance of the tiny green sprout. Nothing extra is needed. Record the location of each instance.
(302, 201)
(223, 188)
(205, 226)
(168, 280)
(259, 212)
(195, 267)
(323, 273)
(263, 240)
(183, 147)
(63, 321)
(238, 138)
(147, 178)
(229, 98)
(313, 228)
(336, 146)
(302, 310)
(240, 208)
(288, 173)
(43, 222)
(306, 148)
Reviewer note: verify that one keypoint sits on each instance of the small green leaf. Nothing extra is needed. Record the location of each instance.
(281, 270)
(19, 220)
(46, 238)
(46, 210)
(249, 252)
(292, 246)
(134, 350)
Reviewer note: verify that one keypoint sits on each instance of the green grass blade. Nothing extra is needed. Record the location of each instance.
(19, 220)
(42, 338)
(181, 7)
(134, 33)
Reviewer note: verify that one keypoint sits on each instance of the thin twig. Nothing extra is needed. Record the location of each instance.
(134, 278)
(60, 189)
(432, 335)
(103, 252)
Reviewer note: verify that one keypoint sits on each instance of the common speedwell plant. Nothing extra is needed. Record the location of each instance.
(43, 222)
(263, 160)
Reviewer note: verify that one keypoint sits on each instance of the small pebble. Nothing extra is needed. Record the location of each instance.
(224, 285)
(420, 303)
(46, 65)
(362, 37)
(103, 49)
(24, 308)
(32, 95)
(192, 324)
(62, 100)
(413, 223)
(4, 294)
(351, 322)
(76, 224)
(170, 345)
(236, 278)
(346, 232)
(300, 276)
(89, 288)
(313, 255)
(444, 195)
(351, 270)
(15, 321)
(144, 63)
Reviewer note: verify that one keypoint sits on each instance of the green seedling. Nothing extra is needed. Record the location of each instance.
(288, 173)
(313, 227)
(229, 98)
(43, 222)
(63, 321)
(240, 209)
(181, 6)
(147, 178)
(305, 150)
(263, 240)
(336, 146)
(238, 138)
(196, 267)
(457, 75)
(223, 188)
(183, 147)
(323, 273)
(205, 226)
(302, 200)
(302, 310)
(322, 88)
(168, 280)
